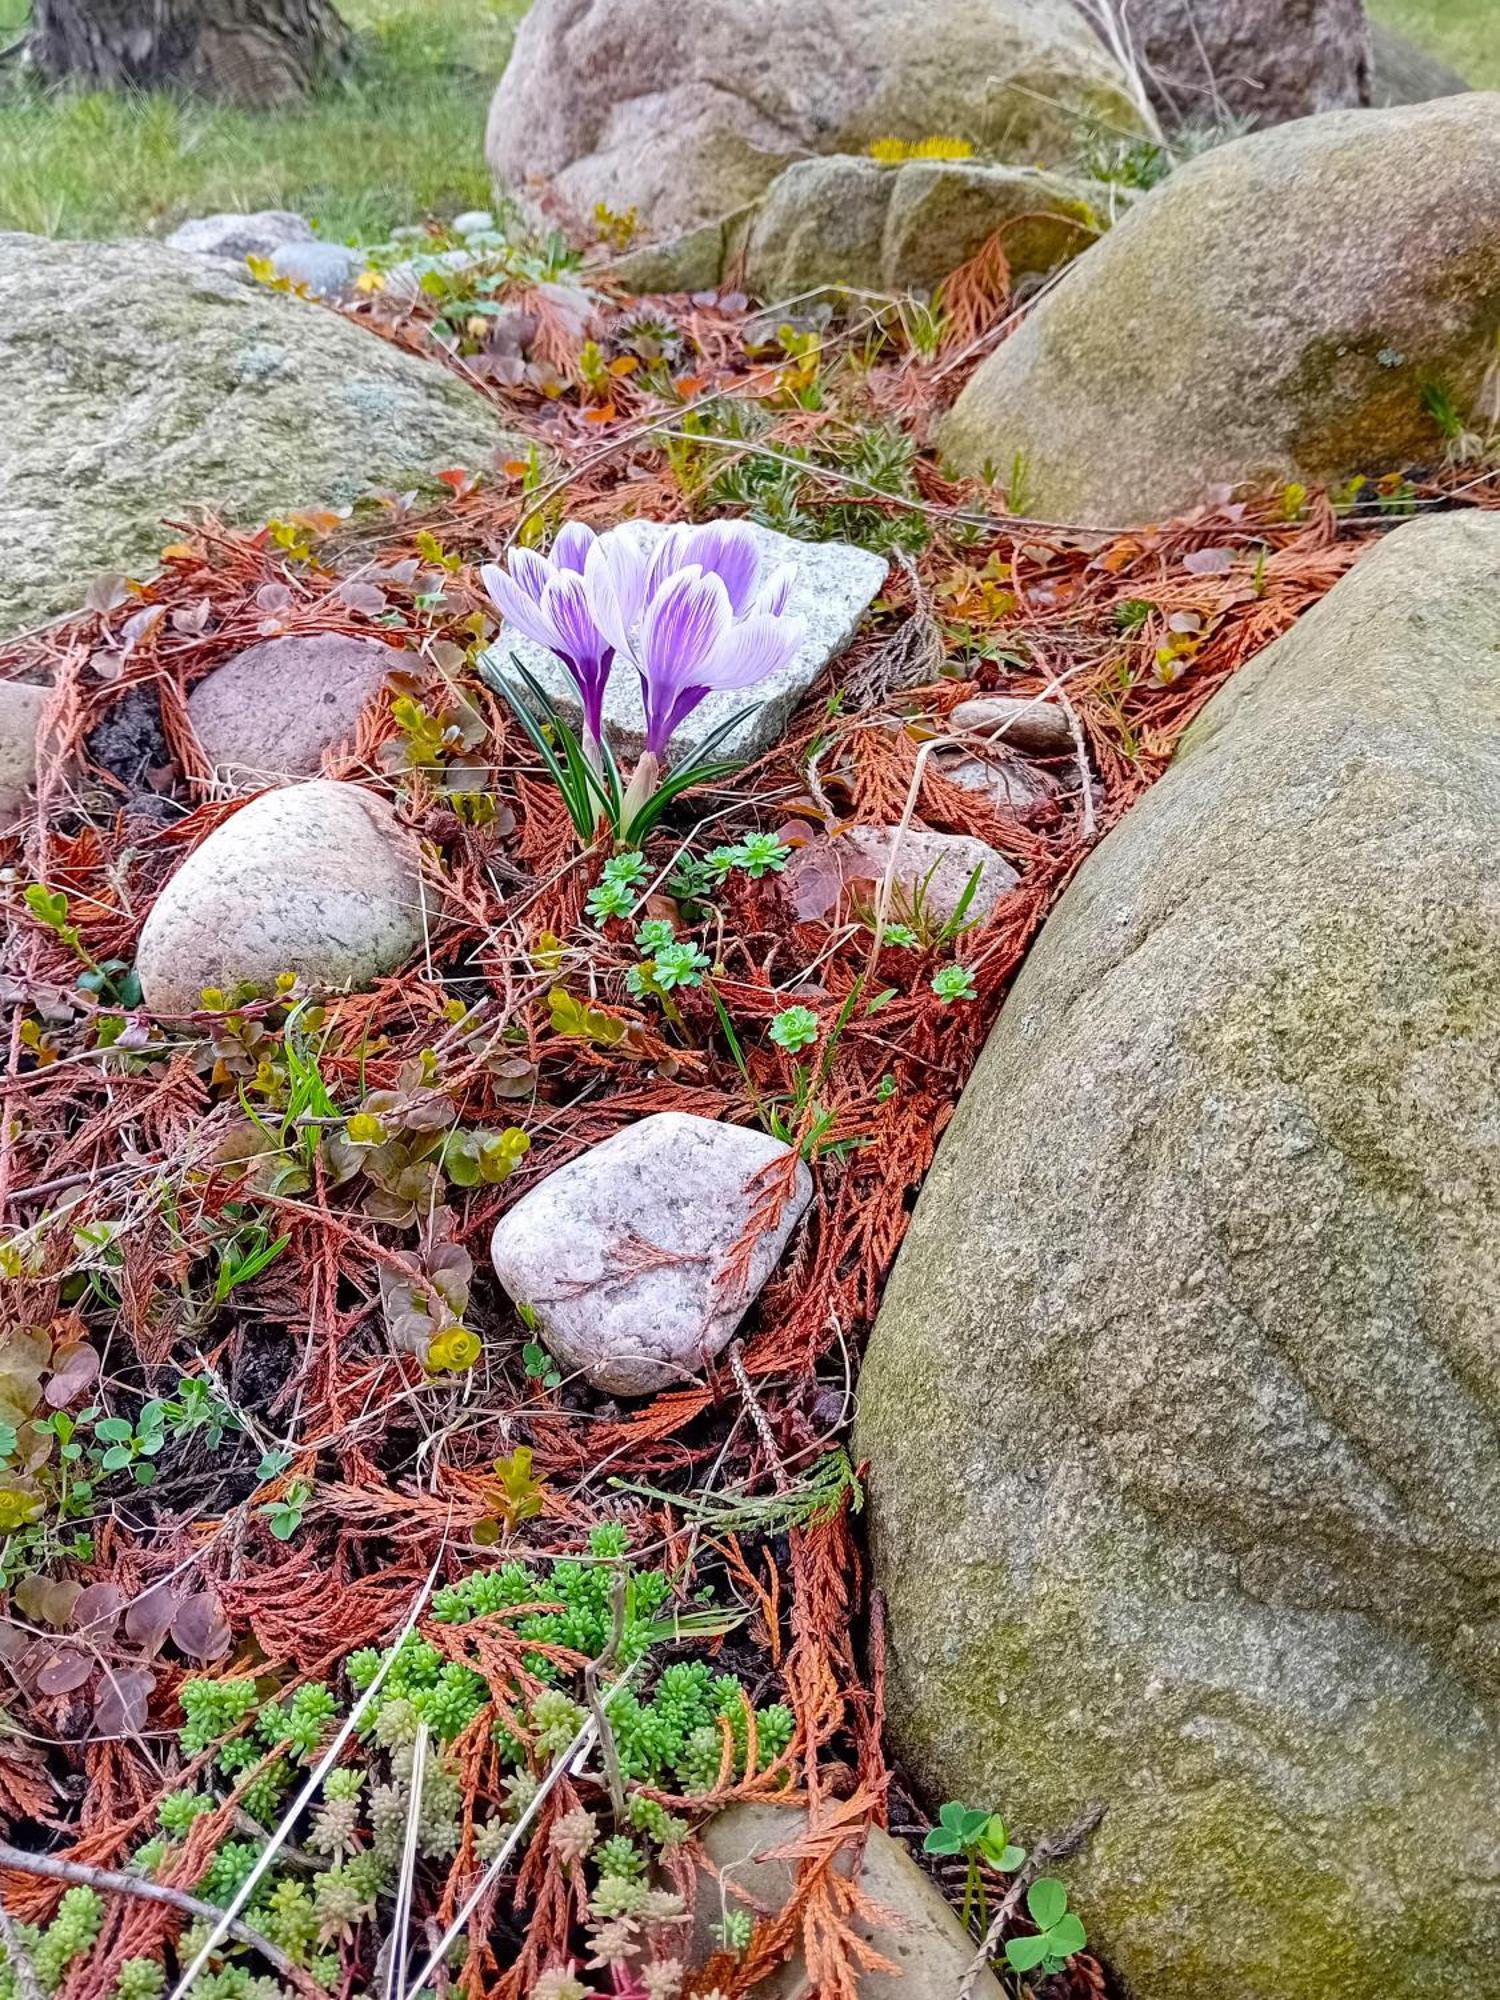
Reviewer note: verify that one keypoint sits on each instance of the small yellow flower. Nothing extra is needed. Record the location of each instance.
(370, 281)
(454, 1349)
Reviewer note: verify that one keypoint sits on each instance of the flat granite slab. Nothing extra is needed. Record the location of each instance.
(835, 584)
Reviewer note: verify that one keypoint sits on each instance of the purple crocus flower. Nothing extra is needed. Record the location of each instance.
(689, 610)
(547, 599)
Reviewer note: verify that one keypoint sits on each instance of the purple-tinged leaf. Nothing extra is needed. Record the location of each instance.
(97, 1611)
(63, 1671)
(201, 1628)
(121, 1699)
(74, 1367)
(1208, 562)
(149, 1618)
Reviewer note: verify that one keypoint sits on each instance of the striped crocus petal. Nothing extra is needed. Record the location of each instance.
(727, 550)
(682, 629)
(571, 549)
(759, 645)
(616, 571)
(773, 594)
(579, 643)
(517, 604)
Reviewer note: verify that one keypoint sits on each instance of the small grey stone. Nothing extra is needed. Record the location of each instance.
(326, 269)
(259, 233)
(1017, 720)
(316, 879)
(473, 222)
(929, 1945)
(935, 866)
(1006, 782)
(622, 1253)
(20, 711)
(271, 711)
(835, 583)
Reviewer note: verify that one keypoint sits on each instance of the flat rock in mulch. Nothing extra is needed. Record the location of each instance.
(316, 879)
(20, 712)
(622, 1253)
(1008, 782)
(835, 583)
(929, 1946)
(934, 866)
(258, 233)
(1200, 1299)
(1323, 277)
(684, 113)
(271, 711)
(181, 384)
(1017, 720)
(843, 219)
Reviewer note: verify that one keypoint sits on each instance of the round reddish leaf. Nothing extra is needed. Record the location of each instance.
(121, 1699)
(74, 1368)
(97, 1611)
(149, 1619)
(200, 1627)
(63, 1671)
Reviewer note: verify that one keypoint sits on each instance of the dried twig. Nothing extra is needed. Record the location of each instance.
(1055, 1847)
(110, 1881)
(614, 1776)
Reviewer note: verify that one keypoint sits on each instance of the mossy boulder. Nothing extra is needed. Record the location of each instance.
(1183, 1406)
(140, 382)
(850, 220)
(684, 113)
(1280, 308)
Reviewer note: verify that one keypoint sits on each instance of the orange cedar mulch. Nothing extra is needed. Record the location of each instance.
(116, 1140)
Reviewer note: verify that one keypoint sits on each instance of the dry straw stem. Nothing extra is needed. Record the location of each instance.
(109, 1881)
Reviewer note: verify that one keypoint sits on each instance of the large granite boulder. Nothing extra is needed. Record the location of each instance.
(139, 382)
(1257, 61)
(1277, 309)
(1183, 1407)
(684, 113)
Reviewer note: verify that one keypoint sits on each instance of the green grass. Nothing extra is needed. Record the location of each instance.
(401, 139)
(1465, 33)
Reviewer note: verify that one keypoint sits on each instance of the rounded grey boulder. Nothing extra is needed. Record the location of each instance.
(1280, 308)
(183, 384)
(315, 879)
(1183, 1405)
(684, 113)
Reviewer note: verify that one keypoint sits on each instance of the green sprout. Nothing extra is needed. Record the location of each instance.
(954, 982)
(1059, 1932)
(794, 1028)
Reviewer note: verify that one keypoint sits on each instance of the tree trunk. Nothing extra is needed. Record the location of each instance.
(250, 52)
